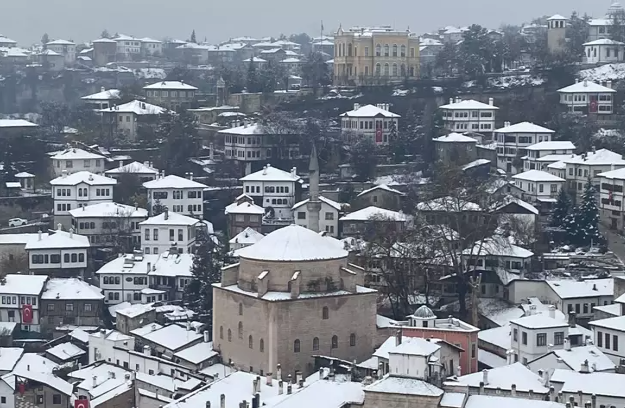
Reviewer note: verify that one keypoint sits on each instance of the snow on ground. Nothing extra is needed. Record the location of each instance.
(150, 73)
(608, 72)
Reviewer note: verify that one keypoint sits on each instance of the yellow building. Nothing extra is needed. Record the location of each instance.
(374, 55)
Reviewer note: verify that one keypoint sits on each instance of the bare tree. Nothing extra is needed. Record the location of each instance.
(13, 262)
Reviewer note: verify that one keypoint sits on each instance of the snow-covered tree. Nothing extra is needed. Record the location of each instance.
(193, 37)
(577, 35)
(180, 141)
(206, 270)
(582, 225)
(315, 71)
(363, 157)
(561, 209)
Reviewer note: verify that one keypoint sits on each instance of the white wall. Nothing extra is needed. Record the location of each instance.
(7, 392)
(408, 365)
(126, 289)
(614, 355)
(163, 242)
(106, 348)
(15, 306)
(531, 350)
(181, 205)
(75, 165)
(77, 252)
(330, 226)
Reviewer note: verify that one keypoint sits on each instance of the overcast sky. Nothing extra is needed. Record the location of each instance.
(82, 20)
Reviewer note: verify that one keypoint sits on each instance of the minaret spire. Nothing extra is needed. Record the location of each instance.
(314, 205)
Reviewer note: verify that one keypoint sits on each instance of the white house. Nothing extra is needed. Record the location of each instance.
(79, 190)
(126, 117)
(373, 122)
(328, 217)
(538, 185)
(588, 97)
(609, 334)
(611, 198)
(73, 160)
(144, 171)
(6, 42)
(108, 224)
(602, 389)
(513, 140)
(542, 154)
(580, 297)
(20, 298)
(60, 253)
(245, 238)
(574, 359)
(273, 188)
(102, 344)
(469, 116)
(127, 45)
(177, 194)
(589, 165)
(65, 48)
(603, 50)
(167, 230)
(125, 278)
(103, 99)
(150, 46)
(535, 335)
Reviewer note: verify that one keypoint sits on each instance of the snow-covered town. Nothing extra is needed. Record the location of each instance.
(357, 216)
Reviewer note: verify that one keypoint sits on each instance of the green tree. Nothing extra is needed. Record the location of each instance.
(253, 80)
(158, 208)
(128, 184)
(617, 30)
(448, 59)
(105, 34)
(178, 132)
(582, 225)
(206, 270)
(577, 35)
(363, 158)
(45, 39)
(579, 129)
(193, 37)
(561, 209)
(315, 71)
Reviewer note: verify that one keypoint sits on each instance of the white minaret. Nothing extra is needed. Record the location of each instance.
(313, 205)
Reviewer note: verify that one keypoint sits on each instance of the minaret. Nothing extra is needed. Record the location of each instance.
(313, 205)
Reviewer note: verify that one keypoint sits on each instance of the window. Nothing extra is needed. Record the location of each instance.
(607, 340)
(240, 330)
(599, 339)
(301, 215)
(316, 344)
(155, 234)
(180, 236)
(352, 340)
(240, 309)
(39, 399)
(541, 339)
(3, 400)
(261, 345)
(335, 342)
(558, 338)
(250, 342)
(229, 335)
(524, 338)
(147, 235)
(296, 346)
(387, 50)
(171, 234)
(394, 50)
(515, 334)
(615, 342)
(325, 313)
(50, 307)
(87, 307)
(378, 50)
(56, 399)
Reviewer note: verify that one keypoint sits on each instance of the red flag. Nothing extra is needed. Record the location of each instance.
(81, 403)
(27, 313)
(593, 106)
(21, 387)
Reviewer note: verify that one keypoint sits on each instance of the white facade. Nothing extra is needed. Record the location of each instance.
(103, 99)
(273, 188)
(541, 155)
(127, 45)
(177, 194)
(538, 185)
(144, 171)
(80, 190)
(588, 97)
(126, 117)
(589, 165)
(469, 116)
(609, 335)
(103, 223)
(65, 48)
(604, 51)
(102, 345)
(580, 297)
(164, 231)
(328, 216)
(611, 197)
(18, 291)
(513, 140)
(534, 336)
(73, 160)
(151, 46)
(373, 122)
(62, 252)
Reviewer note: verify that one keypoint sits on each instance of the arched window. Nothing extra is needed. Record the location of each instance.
(349, 50)
(366, 71)
(343, 49)
(378, 50)
(221, 332)
(240, 309)
(411, 71)
(80, 192)
(316, 344)
(240, 330)
(403, 70)
(325, 313)
(402, 52)
(296, 346)
(395, 73)
(386, 69)
(352, 340)
(229, 335)
(378, 69)
(394, 50)
(387, 50)
(250, 342)
(261, 345)
(335, 342)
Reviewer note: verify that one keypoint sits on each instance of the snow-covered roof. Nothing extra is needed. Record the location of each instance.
(557, 17)
(409, 345)
(65, 351)
(293, 243)
(291, 60)
(103, 210)
(21, 238)
(576, 356)
(104, 95)
(197, 353)
(553, 158)
(112, 335)
(504, 378)
(614, 174)
(173, 181)
(244, 207)
(163, 264)
(50, 53)
(173, 337)
(468, 105)
(455, 138)
(475, 163)
(59, 240)
(603, 384)
(586, 86)
(170, 218)
(80, 335)
(600, 157)
(524, 127)
(16, 123)
(571, 289)
(255, 59)
(40, 369)
(497, 246)
(553, 145)
(175, 85)
(23, 284)
(248, 236)
(613, 323)
(24, 174)
(104, 40)
(135, 310)
(76, 154)
(373, 213)
(493, 401)
(603, 41)
(133, 168)
(270, 173)
(448, 204)
(381, 187)
(6, 40)
(136, 107)
(150, 40)
(369, 111)
(539, 321)
(404, 386)
(510, 199)
(537, 175)
(9, 356)
(331, 203)
(104, 397)
(245, 129)
(70, 289)
(559, 165)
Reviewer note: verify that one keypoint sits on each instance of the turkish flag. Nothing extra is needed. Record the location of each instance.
(21, 387)
(81, 403)
(27, 313)
(593, 106)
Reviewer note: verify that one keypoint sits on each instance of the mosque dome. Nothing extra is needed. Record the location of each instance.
(424, 312)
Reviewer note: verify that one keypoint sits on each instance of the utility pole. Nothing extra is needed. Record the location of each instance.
(475, 283)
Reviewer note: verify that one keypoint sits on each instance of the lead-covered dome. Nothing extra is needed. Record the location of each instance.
(424, 312)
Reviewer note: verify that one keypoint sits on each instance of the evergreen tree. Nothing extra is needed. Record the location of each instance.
(253, 82)
(193, 38)
(363, 158)
(45, 39)
(181, 141)
(582, 225)
(105, 34)
(561, 209)
(206, 270)
(158, 208)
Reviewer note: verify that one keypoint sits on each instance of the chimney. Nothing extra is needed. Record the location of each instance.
(289, 389)
(166, 212)
(593, 399)
(279, 372)
(552, 390)
(481, 390)
(211, 154)
(356, 106)
(149, 266)
(552, 311)
(459, 368)
(208, 404)
(458, 100)
(64, 173)
(506, 124)
(59, 227)
(485, 377)
(94, 382)
(254, 386)
(594, 286)
(147, 351)
(300, 379)
(609, 84)
(585, 369)
(71, 232)
(585, 83)
(280, 387)
(294, 171)
(205, 336)
(269, 378)
(111, 375)
(222, 401)
(567, 345)
(572, 319)
(39, 232)
(256, 401)
(491, 101)
(265, 170)
(102, 89)
(188, 326)
(530, 394)
(513, 390)
(398, 337)
(451, 101)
